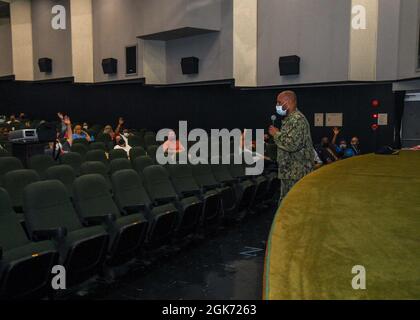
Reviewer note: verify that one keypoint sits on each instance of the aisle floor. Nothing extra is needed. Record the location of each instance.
(228, 265)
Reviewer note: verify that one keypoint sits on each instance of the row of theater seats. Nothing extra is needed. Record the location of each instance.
(87, 218)
(86, 150)
(104, 141)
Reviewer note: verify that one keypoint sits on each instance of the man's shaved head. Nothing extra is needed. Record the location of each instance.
(288, 99)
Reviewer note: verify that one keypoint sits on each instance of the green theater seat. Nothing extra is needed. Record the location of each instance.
(73, 159)
(8, 164)
(204, 176)
(244, 190)
(40, 163)
(140, 163)
(119, 164)
(136, 141)
(136, 152)
(247, 188)
(161, 191)
(149, 140)
(97, 146)
(80, 149)
(95, 167)
(95, 205)
(186, 185)
(49, 214)
(183, 180)
(117, 154)
(97, 155)
(131, 197)
(81, 141)
(19, 257)
(15, 182)
(64, 174)
(151, 152)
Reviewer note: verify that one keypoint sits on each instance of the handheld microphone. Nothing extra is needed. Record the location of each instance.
(273, 118)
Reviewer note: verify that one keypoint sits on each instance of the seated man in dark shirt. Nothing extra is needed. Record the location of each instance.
(327, 151)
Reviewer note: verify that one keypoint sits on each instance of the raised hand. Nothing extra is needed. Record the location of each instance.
(336, 131)
(67, 121)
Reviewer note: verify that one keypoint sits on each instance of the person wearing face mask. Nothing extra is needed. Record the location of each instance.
(122, 143)
(126, 134)
(78, 133)
(295, 153)
(354, 149)
(341, 147)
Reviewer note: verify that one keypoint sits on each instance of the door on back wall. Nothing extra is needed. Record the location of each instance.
(411, 121)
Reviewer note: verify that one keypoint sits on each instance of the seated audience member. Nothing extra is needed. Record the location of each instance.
(85, 126)
(67, 135)
(81, 134)
(342, 146)
(4, 133)
(268, 139)
(122, 143)
(250, 148)
(12, 120)
(108, 130)
(13, 123)
(270, 161)
(28, 124)
(354, 149)
(22, 117)
(172, 146)
(327, 151)
(126, 133)
(317, 160)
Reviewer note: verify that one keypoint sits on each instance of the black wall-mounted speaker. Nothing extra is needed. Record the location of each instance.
(289, 65)
(190, 65)
(45, 65)
(131, 60)
(110, 65)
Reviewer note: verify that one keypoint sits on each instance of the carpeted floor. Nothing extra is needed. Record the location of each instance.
(363, 211)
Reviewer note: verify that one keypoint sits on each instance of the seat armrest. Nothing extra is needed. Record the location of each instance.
(165, 200)
(48, 234)
(95, 220)
(213, 186)
(229, 182)
(190, 193)
(18, 209)
(138, 208)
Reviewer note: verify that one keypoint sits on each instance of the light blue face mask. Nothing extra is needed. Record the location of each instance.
(280, 111)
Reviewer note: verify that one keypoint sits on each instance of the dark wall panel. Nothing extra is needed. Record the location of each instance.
(217, 106)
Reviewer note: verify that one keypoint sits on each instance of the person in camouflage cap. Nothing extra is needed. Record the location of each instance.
(295, 153)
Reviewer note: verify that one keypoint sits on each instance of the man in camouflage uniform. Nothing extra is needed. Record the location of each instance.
(295, 152)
